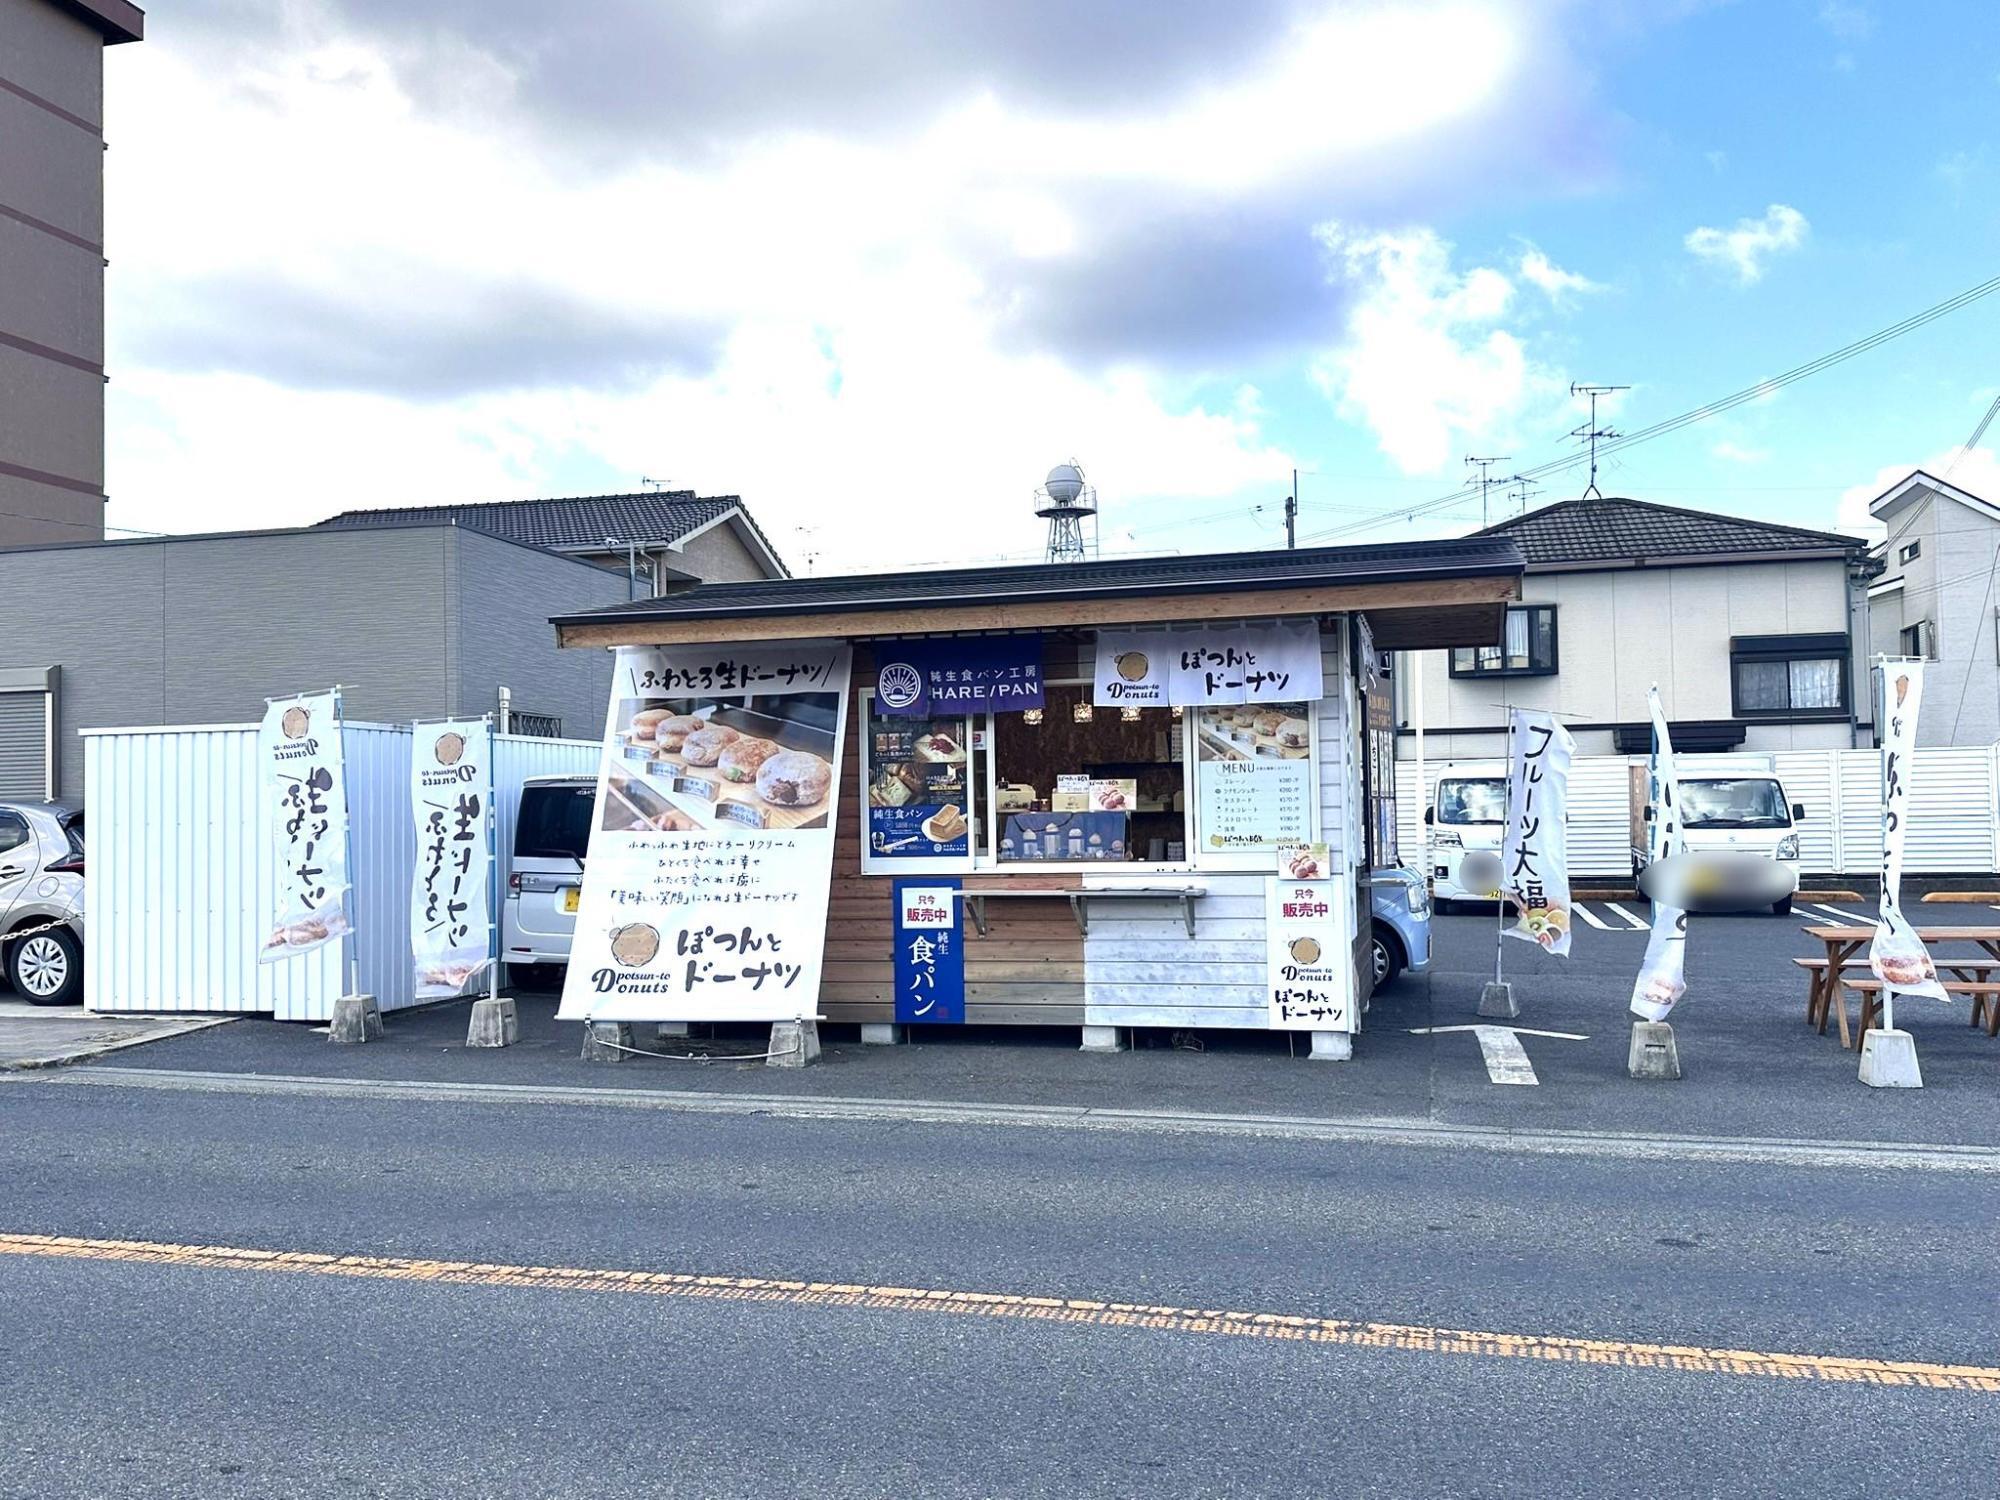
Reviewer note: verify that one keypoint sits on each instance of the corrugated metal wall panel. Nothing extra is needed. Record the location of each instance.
(1954, 809)
(182, 873)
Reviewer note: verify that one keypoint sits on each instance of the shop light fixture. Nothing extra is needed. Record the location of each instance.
(1176, 711)
(1031, 716)
(1129, 714)
(1080, 713)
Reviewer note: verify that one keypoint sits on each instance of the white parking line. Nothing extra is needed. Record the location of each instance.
(1834, 911)
(1630, 920)
(1595, 921)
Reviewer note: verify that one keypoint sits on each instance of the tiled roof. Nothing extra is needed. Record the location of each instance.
(583, 522)
(1620, 530)
(1111, 578)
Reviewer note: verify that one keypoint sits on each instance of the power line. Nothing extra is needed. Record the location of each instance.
(1698, 414)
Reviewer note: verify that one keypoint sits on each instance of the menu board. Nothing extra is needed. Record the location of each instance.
(1255, 785)
(918, 803)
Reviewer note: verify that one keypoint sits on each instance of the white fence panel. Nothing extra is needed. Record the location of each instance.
(183, 879)
(1954, 809)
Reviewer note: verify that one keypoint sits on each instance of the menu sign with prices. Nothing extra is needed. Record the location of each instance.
(711, 845)
(1308, 963)
(1254, 806)
(917, 790)
(1189, 665)
(451, 802)
(930, 953)
(305, 798)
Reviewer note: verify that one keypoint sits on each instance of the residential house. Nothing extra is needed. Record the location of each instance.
(411, 620)
(661, 540)
(52, 264)
(1755, 633)
(1938, 599)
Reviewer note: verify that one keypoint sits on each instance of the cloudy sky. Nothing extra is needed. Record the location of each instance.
(877, 265)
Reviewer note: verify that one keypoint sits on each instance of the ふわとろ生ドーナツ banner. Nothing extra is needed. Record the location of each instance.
(711, 845)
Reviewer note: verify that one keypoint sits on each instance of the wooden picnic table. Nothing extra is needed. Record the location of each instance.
(1844, 941)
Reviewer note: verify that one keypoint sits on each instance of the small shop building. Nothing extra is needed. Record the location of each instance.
(1098, 764)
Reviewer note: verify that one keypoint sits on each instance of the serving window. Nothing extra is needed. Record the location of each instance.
(1074, 783)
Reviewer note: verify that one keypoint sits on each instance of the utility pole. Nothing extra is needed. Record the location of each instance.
(1485, 481)
(1292, 514)
(1590, 432)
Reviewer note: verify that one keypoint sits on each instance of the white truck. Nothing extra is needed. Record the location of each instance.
(1467, 817)
(1730, 804)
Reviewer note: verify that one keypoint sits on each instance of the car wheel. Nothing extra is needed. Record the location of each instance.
(46, 968)
(1386, 955)
(1782, 908)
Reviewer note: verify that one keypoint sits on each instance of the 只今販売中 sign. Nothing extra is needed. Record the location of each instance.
(1189, 665)
(958, 675)
(305, 797)
(930, 953)
(1308, 960)
(451, 805)
(711, 844)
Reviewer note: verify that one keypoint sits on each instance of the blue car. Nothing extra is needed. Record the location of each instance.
(1400, 929)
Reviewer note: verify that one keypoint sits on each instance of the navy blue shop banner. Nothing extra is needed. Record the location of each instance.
(930, 952)
(958, 674)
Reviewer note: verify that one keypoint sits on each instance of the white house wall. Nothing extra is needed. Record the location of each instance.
(1620, 632)
(1140, 966)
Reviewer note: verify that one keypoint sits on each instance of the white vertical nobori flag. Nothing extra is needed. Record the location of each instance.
(1898, 955)
(1661, 982)
(451, 801)
(1535, 856)
(305, 797)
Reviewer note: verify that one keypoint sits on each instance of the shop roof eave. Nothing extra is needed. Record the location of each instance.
(1078, 611)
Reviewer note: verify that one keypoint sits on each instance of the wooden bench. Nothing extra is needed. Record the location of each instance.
(1079, 900)
(1977, 977)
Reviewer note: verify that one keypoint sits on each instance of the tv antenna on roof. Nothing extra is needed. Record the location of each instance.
(654, 484)
(1485, 480)
(1065, 502)
(1520, 492)
(1590, 432)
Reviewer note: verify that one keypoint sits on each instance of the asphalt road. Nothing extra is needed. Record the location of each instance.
(139, 1379)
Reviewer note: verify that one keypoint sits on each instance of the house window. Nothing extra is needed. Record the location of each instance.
(1916, 640)
(1909, 552)
(1527, 647)
(1789, 677)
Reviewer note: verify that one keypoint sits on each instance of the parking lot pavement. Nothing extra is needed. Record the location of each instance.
(1753, 1068)
(35, 1036)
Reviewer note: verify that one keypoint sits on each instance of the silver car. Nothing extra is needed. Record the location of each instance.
(41, 900)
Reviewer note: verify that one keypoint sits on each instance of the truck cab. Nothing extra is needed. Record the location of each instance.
(1467, 817)
(1729, 805)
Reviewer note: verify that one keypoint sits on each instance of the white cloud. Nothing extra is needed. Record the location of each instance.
(1737, 453)
(1977, 473)
(1540, 271)
(1426, 360)
(1744, 249)
(1845, 20)
(847, 351)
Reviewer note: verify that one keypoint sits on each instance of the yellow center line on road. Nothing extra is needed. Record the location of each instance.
(1186, 1320)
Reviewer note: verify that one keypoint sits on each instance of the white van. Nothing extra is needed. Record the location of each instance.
(1467, 815)
(545, 873)
(1731, 804)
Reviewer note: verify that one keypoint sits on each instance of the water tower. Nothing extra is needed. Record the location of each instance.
(1065, 502)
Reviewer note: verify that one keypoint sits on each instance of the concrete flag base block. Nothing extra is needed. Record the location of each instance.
(494, 1023)
(1103, 1039)
(356, 1018)
(881, 1034)
(1889, 1060)
(1332, 1046)
(794, 1044)
(1497, 1002)
(608, 1041)
(1653, 1054)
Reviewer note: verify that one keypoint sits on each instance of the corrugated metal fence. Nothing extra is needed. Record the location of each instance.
(182, 875)
(1954, 809)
